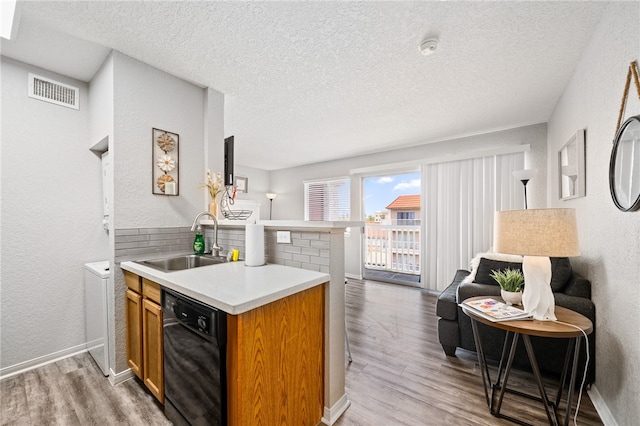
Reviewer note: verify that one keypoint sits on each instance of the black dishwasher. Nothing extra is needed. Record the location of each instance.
(195, 337)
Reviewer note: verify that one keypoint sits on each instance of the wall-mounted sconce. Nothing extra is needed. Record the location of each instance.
(271, 196)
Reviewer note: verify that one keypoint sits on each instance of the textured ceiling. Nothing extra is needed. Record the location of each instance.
(312, 81)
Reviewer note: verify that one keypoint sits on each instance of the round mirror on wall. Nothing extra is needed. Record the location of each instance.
(624, 167)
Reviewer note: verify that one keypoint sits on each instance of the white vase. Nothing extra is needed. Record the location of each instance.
(511, 297)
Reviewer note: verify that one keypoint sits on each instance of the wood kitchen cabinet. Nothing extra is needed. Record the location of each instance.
(134, 332)
(275, 362)
(275, 355)
(144, 332)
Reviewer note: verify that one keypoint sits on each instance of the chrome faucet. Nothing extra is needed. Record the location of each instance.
(215, 249)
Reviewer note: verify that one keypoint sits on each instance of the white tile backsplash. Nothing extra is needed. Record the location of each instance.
(307, 250)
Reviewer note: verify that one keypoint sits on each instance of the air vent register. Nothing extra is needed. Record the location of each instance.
(53, 91)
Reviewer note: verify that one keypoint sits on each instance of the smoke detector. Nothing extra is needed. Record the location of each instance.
(429, 46)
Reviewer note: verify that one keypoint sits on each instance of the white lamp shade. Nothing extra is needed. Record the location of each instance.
(526, 174)
(271, 195)
(536, 232)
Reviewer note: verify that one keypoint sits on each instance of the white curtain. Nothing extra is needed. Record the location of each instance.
(460, 198)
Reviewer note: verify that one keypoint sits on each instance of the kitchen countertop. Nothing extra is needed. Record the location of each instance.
(289, 224)
(232, 286)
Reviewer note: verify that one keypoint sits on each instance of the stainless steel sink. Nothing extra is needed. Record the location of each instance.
(180, 263)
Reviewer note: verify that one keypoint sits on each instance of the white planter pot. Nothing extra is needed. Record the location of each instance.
(511, 298)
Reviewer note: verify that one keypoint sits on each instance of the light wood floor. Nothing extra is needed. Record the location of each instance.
(74, 392)
(399, 376)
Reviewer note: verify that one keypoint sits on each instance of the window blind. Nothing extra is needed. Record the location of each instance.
(328, 199)
(461, 199)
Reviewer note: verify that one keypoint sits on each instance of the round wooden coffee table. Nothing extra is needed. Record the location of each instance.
(569, 324)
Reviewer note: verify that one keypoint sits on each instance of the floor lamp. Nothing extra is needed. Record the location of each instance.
(525, 176)
(271, 196)
(537, 234)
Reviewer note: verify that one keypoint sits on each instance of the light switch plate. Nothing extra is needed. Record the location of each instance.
(283, 237)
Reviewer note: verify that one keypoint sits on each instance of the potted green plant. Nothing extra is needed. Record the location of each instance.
(510, 281)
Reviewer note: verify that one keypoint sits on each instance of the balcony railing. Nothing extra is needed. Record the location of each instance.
(394, 248)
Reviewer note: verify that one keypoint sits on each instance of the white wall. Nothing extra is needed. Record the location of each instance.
(101, 104)
(146, 98)
(213, 134)
(52, 194)
(101, 129)
(51, 219)
(287, 183)
(609, 239)
(259, 184)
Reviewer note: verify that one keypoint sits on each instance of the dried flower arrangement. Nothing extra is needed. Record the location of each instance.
(214, 185)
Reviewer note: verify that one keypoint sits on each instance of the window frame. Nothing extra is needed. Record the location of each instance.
(327, 183)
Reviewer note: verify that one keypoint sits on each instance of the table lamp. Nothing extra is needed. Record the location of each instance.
(271, 196)
(537, 234)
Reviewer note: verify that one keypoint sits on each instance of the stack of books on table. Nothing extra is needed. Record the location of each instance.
(496, 311)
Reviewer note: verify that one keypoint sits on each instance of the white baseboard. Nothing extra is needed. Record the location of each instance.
(123, 376)
(331, 415)
(22, 367)
(354, 276)
(601, 407)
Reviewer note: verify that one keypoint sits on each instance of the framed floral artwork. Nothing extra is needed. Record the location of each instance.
(164, 162)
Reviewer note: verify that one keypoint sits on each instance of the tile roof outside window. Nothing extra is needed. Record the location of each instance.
(405, 202)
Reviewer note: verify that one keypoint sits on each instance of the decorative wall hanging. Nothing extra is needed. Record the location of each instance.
(165, 162)
(242, 184)
(624, 165)
(571, 173)
(632, 71)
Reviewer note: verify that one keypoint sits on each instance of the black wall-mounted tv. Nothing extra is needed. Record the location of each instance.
(228, 161)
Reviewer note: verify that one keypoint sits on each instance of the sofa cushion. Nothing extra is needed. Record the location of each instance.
(483, 265)
(578, 287)
(560, 273)
(487, 266)
(486, 277)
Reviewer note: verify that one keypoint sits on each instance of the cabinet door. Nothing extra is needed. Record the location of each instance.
(133, 310)
(152, 348)
(275, 362)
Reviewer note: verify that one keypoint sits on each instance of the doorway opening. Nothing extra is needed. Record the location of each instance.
(391, 239)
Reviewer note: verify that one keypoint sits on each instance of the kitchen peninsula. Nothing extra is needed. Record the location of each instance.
(272, 344)
(238, 290)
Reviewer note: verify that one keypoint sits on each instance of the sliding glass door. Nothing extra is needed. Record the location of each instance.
(391, 240)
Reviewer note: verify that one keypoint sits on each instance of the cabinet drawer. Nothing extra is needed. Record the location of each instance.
(151, 290)
(132, 281)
